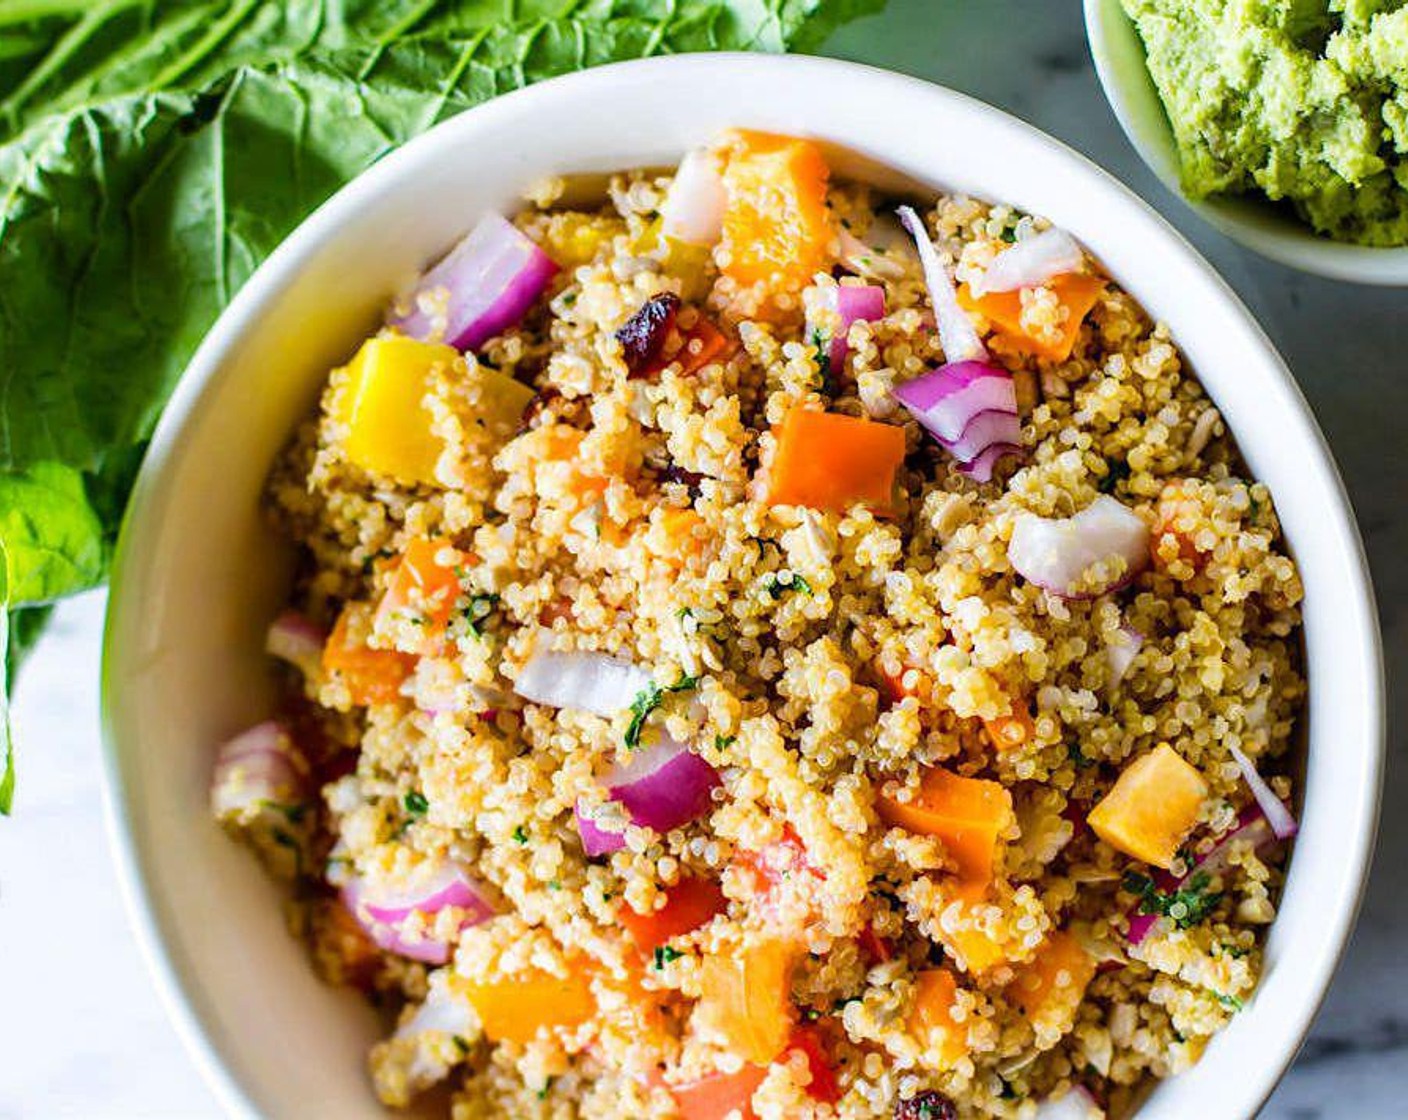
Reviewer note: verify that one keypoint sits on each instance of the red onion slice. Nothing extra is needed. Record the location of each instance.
(297, 640)
(1031, 261)
(957, 335)
(485, 285)
(971, 409)
(661, 787)
(383, 909)
(1076, 1103)
(981, 468)
(982, 431)
(1277, 815)
(1055, 553)
(853, 303)
(258, 769)
(1120, 651)
(693, 211)
(589, 682)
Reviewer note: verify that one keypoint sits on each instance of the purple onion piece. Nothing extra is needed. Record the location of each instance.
(485, 285)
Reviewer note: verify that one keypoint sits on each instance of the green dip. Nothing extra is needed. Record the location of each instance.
(1304, 100)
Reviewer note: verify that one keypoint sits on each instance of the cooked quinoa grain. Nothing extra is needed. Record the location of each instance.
(680, 725)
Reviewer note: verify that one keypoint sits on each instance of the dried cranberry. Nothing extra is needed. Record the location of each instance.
(928, 1105)
(644, 333)
(672, 473)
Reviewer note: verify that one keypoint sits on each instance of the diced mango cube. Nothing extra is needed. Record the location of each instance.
(382, 404)
(968, 814)
(748, 1000)
(935, 996)
(1152, 807)
(1050, 986)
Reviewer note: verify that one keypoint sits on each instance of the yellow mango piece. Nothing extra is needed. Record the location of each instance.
(935, 997)
(381, 404)
(502, 400)
(1152, 807)
(1050, 987)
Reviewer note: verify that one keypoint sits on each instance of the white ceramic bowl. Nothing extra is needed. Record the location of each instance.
(198, 573)
(1119, 61)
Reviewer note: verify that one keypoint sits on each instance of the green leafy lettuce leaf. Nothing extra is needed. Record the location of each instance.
(153, 154)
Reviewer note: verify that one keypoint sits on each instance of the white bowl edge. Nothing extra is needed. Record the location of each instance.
(842, 102)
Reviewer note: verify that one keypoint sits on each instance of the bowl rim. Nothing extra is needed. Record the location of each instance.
(1114, 41)
(143, 905)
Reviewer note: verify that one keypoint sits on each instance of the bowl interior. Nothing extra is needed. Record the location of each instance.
(198, 572)
(1118, 53)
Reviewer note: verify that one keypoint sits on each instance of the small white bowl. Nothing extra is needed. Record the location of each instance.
(1119, 61)
(199, 573)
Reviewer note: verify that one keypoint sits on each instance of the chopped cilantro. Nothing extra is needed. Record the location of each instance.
(647, 700)
(775, 586)
(1078, 756)
(1187, 906)
(1118, 472)
(823, 363)
(723, 742)
(519, 835)
(415, 803)
(477, 610)
(1231, 1002)
(461, 1045)
(547, 1088)
(554, 885)
(664, 955)
(683, 613)
(1009, 235)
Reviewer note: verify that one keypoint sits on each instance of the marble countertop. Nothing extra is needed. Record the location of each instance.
(82, 1031)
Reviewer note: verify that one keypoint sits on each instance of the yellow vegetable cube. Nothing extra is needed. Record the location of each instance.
(382, 406)
(1152, 807)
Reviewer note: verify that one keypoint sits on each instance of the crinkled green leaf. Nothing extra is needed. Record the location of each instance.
(153, 152)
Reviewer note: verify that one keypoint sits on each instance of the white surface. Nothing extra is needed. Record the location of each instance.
(81, 1030)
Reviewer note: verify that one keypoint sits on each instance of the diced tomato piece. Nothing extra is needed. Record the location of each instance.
(823, 1085)
(688, 905)
(716, 1096)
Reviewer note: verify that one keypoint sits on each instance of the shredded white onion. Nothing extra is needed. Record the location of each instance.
(588, 682)
(693, 211)
(957, 335)
(1277, 815)
(1030, 262)
(1076, 1103)
(1056, 552)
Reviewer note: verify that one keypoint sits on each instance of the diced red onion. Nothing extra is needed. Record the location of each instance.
(1120, 652)
(866, 261)
(957, 335)
(852, 303)
(661, 787)
(1277, 815)
(1055, 553)
(693, 210)
(485, 285)
(296, 639)
(257, 769)
(1031, 261)
(971, 409)
(589, 682)
(1140, 926)
(383, 910)
(1076, 1103)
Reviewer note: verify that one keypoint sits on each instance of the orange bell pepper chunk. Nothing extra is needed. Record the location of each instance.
(516, 1008)
(747, 999)
(967, 814)
(1152, 806)
(1077, 293)
(688, 905)
(1013, 731)
(1052, 983)
(703, 343)
(372, 676)
(970, 942)
(829, 461)
(681, 531)
(935, 994)
(425, 585)
(720, 1095)
(823, 1085)
(776, 227)
(1176, 515)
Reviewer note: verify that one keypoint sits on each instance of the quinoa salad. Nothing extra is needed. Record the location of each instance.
(765, 649)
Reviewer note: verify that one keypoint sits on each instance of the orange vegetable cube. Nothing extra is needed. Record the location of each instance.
(935, 995)
(829, 461)
(978, 950)
(683, 534)
(372, 676)
(1152, 807)
(776, 228)
(424, 586)
(388, 425)
(1075, 291)
(688, 905)
(812, 1045)
(1013, 731)
(967, 814)
(747, 999)
(516, 1008)
(720, 1096)
(1050, 986)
